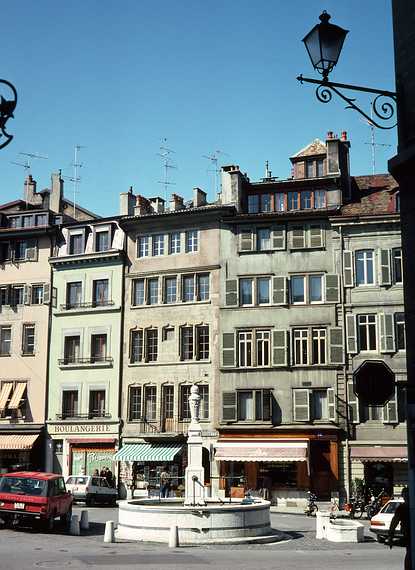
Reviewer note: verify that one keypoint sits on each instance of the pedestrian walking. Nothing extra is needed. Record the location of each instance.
(164, 483)
(402, 516)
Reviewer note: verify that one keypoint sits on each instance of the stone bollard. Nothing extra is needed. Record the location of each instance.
(174, 537)
(322, 521)
(84, 523)
(74, 527)
(109, 532)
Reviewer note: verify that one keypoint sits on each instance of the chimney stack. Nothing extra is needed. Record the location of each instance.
(127, 203)
(56, 193)
(176, 203)
(142, 206)
(30, 195)
(343, 136)
(157, 204)
(199, 197)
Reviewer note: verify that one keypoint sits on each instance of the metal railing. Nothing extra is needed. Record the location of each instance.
(90, 360)
(163, 425)
(92, 305)
(93, 414)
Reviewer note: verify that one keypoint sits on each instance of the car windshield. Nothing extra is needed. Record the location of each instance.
(390, 507)
(23, 486)
(77, 481)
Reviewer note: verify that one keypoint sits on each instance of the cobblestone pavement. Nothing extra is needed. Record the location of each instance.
(28, 549)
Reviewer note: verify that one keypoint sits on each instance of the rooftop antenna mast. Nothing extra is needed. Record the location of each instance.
(75, 179)
(165, 154)
(372, 142)
(214, 159)
(27, 164)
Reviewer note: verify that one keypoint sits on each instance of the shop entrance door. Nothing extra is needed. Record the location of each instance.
(378, 476)
(320, 469)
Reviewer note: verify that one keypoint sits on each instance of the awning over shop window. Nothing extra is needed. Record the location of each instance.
(17, 396)
(261, 451)
(14, 442)
(379, 453)
(157, 452)
(5, 394)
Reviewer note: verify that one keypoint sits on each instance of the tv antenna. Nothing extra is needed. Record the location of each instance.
(27, 164)
(165, 154)
(214, 159)
(372, 142)
(75, 179)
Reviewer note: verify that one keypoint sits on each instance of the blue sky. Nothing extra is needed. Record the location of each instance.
(119, 76)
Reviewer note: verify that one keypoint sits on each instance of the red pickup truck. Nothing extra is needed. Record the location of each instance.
(30, 495)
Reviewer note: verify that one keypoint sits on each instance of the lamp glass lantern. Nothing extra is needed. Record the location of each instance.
(324, 44)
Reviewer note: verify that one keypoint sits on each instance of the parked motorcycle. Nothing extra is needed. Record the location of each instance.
(355, 507)
(375, 504)
(311, 507)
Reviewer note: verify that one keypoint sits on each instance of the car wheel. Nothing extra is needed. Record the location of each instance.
(49, 524)
(113, 502)
(65, 520)
(88, 501)
(380, 538)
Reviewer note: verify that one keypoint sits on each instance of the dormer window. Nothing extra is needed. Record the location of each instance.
(102, 240)
(314, 168)
(253, 204)
(309, 169)
(76, 244)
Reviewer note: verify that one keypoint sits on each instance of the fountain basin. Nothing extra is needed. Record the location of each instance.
(151, 520)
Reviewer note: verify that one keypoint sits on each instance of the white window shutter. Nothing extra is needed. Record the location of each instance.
(385, 273)
(301, 402)
(332, 288)
(316, 236)
(348, 269)
(279, 347)
(351, 343)
(231, 292)
(278, 237)
(27, 293)
(228, 349)
(279, 290)
(387, 337)
(352, 403)
(390, 410)
(246, 239)
(331, 399)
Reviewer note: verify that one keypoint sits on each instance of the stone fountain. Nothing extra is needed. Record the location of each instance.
(199, 520)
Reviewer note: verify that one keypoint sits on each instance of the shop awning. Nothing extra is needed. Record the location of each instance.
(14, 442)
(5, 394)
(17, 396)
(157, 452)
(261, 451)
(379, 453)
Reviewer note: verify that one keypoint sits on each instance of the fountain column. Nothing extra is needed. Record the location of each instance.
(194, 474)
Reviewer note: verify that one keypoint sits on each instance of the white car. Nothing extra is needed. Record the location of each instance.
(91, 490)
(380, 523)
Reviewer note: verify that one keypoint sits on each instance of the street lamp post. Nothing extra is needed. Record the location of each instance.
(7, 107)
(324, 44)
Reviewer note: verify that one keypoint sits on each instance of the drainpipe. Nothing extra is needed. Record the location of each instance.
(49, 443)
(343, 300)
(123, 255)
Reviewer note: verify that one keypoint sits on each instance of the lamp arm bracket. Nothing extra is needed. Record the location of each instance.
(7, 107)
(383, 105)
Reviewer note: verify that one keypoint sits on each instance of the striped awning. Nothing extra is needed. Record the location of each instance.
(286, 451)
(157, 452)
(15, 442)
(17, 395)
(5, 394)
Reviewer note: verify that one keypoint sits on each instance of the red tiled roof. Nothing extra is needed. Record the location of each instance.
(372, 195)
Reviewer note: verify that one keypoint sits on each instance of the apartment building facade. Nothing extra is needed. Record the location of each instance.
(83, 421)
(28, 232)
(170, 333)
(289, 313)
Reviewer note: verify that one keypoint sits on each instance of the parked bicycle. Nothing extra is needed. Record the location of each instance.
(311, 507)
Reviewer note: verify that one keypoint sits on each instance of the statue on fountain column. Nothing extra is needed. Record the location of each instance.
(194, 404)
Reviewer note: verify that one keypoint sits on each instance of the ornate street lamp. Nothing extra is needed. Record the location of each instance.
(324, 44)
(7, 107)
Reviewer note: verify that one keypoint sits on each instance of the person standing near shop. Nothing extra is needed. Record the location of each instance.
(164, 483)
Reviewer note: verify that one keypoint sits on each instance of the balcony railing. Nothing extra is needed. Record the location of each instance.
(166, 425)
(73, 415)
(92, 305)
(72, 360)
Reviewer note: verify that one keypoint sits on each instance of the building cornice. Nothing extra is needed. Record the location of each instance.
(88, 258)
